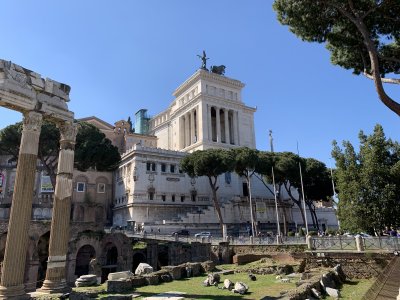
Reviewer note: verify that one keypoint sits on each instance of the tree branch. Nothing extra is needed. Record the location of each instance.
(265, 184)
(372, 9)
(384, 80)
(393, 59)
(373, 57)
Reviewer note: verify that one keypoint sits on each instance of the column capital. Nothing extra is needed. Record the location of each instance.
(68, 132)
(32, 121)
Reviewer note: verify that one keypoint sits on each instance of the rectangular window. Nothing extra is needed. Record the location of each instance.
(163, 168)
(101, 188)
(80, 187)
(172, 168)
(163, 197)
(173, 198)
(151, 195)
(150, 166)
(182, 198)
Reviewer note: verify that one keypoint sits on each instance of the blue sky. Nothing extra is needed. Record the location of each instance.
(121, 56)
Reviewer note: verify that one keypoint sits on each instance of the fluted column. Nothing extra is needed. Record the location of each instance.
(55, 281)
(218, 121)
(227, 139)
(235, 127)
(187, 132)
(181, 132)
(12, 277)
(209, 123)
(192, 127)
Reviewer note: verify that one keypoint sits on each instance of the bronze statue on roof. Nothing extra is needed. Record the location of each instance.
(204, 61)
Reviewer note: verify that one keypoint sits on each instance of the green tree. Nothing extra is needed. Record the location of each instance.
(246, 161)
(316, 181)
(362, 35)
(210, 163)
(92, 149)
(368, 183)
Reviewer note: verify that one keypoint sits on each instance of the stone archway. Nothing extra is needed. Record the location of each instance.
(111, 260)
(83, 257)
(137, 258)
(163, 257)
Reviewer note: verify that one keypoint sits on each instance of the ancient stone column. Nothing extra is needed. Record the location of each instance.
(12, 277)
(55, 281)
(218, 121)
(187, 130)
(226, 112)
(235, 128)
(192, 127)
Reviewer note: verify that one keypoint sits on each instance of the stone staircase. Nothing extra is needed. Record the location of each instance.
(386, 286)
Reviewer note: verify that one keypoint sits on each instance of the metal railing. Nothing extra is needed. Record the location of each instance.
(329, 243)
(349, 243)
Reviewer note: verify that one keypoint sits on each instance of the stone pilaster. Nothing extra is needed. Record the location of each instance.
(236, 128)
(12, 277)
(226, 126)
(218, 123)
(187, 130)
(192, 127)
(55, 281)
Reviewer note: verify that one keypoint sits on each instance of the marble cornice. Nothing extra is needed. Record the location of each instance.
(201, 74)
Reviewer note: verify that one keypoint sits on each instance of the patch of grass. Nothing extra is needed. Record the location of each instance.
(265, 285)
(139, 245)
(354, 289)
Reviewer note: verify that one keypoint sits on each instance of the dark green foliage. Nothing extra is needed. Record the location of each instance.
(210, 163)
(92, 149)
(362, 35)
(246, 161)
(316, 178)
(367, 183)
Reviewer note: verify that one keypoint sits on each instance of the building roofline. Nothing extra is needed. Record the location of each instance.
(98, 120)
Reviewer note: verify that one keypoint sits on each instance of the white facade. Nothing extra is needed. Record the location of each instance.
(207, 112)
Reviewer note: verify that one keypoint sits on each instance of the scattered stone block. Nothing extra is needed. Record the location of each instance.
(252, 277)
(151, 279)
(207, 266)
(332, 292)
(143, 268)
(86, 280)
(119, 286)
(240, 287)
(138, 281)
(338, 271)
(228, 284)
(327, 281)
(315, 293)
(174, 271)
(120, 275)
(83, 295)
(284, 270)
(166, 277)
(196, 268)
